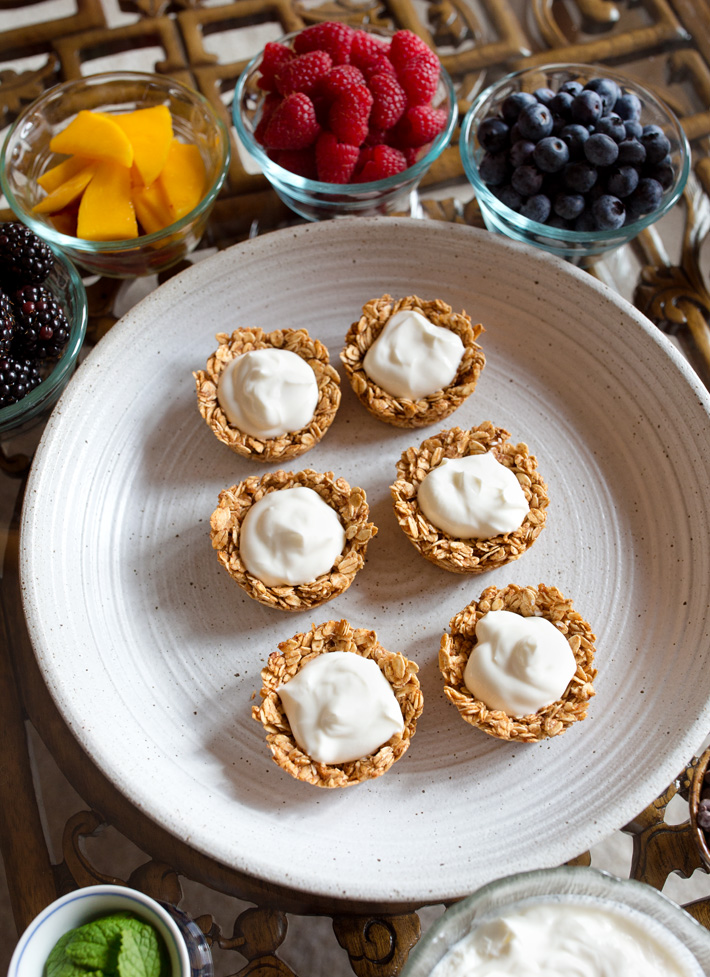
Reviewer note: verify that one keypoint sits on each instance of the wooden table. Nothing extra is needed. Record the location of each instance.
(663, 43)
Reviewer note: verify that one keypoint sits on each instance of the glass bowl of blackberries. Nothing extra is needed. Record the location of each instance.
(43, 317)
(572, 158)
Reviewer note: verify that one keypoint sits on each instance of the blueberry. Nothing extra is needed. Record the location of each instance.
(586, 108)
(628, 106)
(580, 177)
(527, 180)
(575, 136)
(631, 152)
(656, 143)
(536, 208)
(535, 122)
(568, 206)
(609, 212)
(551, 154)
(573, 87)
(623, 181)
(515, 103)
(703, 815)
(634, 130)
(585, 222)
(515, 133)
(664, 172)
(611, 125)
(509, 196)
(561, 105)
(544, 95)
(607, 90)
(493, 169)
(601, 150)
(493, 135)
(521, 152)
(646, 197)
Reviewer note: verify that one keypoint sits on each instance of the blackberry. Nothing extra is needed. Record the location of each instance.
(17, 377)
(42, 326)
(24, 258)
(7, 323)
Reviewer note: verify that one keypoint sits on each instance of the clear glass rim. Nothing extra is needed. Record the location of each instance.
(317, 186)
(75, 244)
(33, 402)
(526, 226)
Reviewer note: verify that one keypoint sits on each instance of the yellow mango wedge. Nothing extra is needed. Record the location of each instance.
(96, 136)
(183, 178)
(66, 192)
(150, 132)
(59, 174)
(65, 222)
(152, 209)
(106, 211)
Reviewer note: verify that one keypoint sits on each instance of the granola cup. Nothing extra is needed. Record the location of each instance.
(540, 601)
(350, 505)
(285, 446)
(298, 651)
(468, 555)
(399, 411)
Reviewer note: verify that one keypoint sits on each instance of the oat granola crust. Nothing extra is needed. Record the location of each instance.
(350, 504)
(287, 446)
(402, 412)
(456, 648)
(468, 555)
(302, 648)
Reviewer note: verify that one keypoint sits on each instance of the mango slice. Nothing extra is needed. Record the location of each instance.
(106, 212)
(150, 132)
(66, 192)
(96, 136)
(59, 174)
(152, 209)
(183, 178)
(65, 221)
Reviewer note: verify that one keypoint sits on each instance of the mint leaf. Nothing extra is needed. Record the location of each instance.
(140, 953)
(95, 946)
(58, 963)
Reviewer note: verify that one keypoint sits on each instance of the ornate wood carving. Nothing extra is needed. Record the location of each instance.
(377, 946)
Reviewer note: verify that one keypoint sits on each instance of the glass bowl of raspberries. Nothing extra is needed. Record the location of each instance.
(43, 317)
(345, 121)
(573, 158)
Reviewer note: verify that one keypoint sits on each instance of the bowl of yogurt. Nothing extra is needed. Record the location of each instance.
(562, 921)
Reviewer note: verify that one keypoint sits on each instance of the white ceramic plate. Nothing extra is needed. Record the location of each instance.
(152, 652)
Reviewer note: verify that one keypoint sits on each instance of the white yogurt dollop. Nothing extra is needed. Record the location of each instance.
(412, 357)
(518, 664)
(340, 707)
(290, 537)
(473, 497)
(268, 392)
(561, 938)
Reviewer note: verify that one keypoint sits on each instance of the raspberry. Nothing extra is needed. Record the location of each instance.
(293, 124)
(303, 73)
(331, 36)
(406, 46)
(379, 162)
(349, 115)
(24, 258)
(268, 107)
(42, 326)
(17, 377)
(339, 79)
(302, 162)
(275, 56)
(366, 50)
(7, 323)
(382, 66)
(419, 79)
(389, 101)
(335, 160)
(418, 126)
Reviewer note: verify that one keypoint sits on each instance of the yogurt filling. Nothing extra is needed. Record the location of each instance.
(412, 357)
(268, 392)
(473, 497)
(340, 707)
(561, 937)
(290, 537)
(518, 664)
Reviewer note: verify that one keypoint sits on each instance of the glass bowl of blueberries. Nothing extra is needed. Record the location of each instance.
(43, 318)
(573, 158)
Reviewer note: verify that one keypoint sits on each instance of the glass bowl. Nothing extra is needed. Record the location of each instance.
(316, 200)
(65, 283)
(700, 789)
(671, 924)
(26, 156)
(581, 245)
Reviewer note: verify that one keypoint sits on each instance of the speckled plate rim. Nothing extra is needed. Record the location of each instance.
(472, 245)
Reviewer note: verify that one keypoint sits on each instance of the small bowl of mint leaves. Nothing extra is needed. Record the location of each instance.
(574, 159)
(106, 931)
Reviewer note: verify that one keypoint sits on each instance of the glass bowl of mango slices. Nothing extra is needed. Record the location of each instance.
(118, 170)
